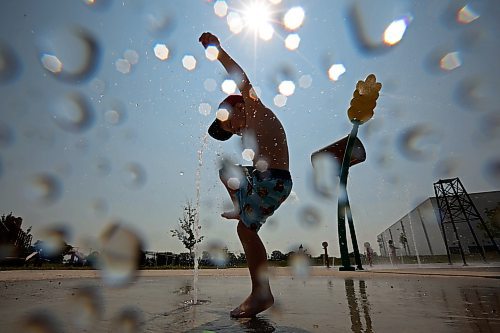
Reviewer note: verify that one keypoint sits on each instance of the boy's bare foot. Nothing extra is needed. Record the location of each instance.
(232, 215)
(253, 305)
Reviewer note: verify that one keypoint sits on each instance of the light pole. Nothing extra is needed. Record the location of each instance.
(350, 151)
(327, 260)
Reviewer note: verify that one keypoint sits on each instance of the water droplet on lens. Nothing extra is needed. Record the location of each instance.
(377, 33)
(128, 320)
(73, 113)
(280, 100)
(446, 168)
(305, 81)
(309, 217)
(88, 306)
(115, 113)
(6, 135)
(492, 171)
(123, 66)
(233, 183)
(100, 206)
(103, 166)
(134, 176)
(419, 142)
(54, 240)
(300, 264)
(158, 19)
(218, 254)
(71, 55)
(98, 86)
(41, 322)
(132, 56)
(120, 255)
(10, 67)
(210, 85)
(325, 174)
(205, 109)
(44, 189)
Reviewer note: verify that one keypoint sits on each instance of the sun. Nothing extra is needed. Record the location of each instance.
(257, 17)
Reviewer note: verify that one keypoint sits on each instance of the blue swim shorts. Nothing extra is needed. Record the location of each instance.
(261, 193)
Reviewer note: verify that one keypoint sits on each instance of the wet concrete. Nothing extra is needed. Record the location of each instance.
(377, 301)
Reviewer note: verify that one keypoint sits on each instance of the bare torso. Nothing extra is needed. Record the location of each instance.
(265, 130)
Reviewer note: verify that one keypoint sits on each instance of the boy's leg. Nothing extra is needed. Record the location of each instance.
(260, 298)
(234, 214)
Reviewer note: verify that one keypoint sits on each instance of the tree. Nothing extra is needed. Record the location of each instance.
(186, 231)
(14, 241)
(277, 256)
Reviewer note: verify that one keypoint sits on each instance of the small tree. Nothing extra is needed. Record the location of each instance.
(186, 231)
(277, 255)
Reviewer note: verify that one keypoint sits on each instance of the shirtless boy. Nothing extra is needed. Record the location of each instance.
(261, 188)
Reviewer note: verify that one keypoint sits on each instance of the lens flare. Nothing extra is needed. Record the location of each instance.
(336, 71)
(235, 22)
(204, 109)
(280, 100)
(286, 88)
(256, 15)
(233, 183)
(466, 15)
(222, 114)
(228, 86)
(123, 66)
(294, 18)
(220, 8)
(395, 31)
(305, 81)
(52, 63)
(212, 53)
(292, 41)
(450, 61)
(210, 85)
(266, 32)
(132, 56)
(161, 51)
(248, 154)
(189, 62)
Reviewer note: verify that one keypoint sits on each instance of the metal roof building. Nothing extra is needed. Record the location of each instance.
(420, 231)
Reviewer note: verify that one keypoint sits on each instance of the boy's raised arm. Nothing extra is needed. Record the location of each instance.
(235, 71)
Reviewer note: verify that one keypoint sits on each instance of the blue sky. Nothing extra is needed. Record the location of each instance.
(95, 144)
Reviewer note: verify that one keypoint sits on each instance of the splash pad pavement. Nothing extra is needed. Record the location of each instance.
(407, 299)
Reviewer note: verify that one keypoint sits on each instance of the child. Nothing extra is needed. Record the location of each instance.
(392, 252)
(259, 189)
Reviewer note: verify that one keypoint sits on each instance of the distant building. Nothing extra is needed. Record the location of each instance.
(420, 230)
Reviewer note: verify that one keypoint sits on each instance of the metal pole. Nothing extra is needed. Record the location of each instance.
(454, 228)
(352, 231)
(441, 215)
(341, 209)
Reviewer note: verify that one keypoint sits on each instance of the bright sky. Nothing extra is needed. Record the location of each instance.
(105, 105)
